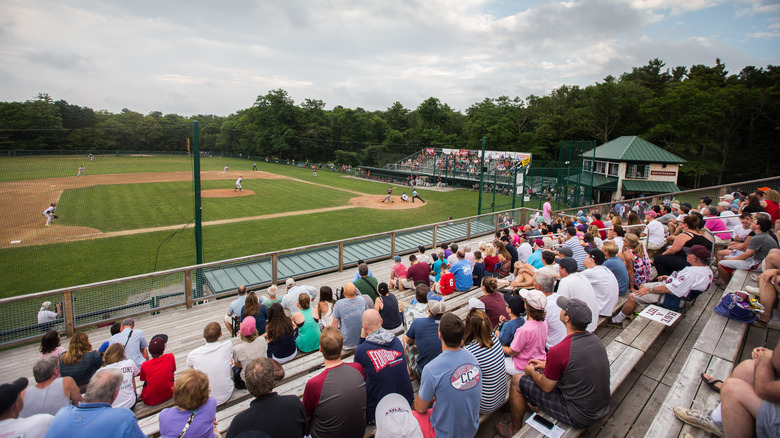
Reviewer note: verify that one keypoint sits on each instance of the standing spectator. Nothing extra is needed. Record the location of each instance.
(455, 381)
(335, 400)
(80, 361)
(12, 397)
(234, 309)
(194, 414)
(50, 344)
(387, 306)
(479, 339)
(547, 211)
(381, 355)
(422, 339)
(347, 316)
(572, 385)
(94, 416)
(575, 285)
(157, 373)
(616, 266)
(495, 306)
(115, 358)
(280, 333)
(133, 341)
(603, 282)
(253, 346)
(308, 339)
(252, 307)
(529, 340)
(280, 416)
(214, 360)
(50, 392)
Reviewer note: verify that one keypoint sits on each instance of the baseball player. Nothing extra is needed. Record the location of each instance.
(314, 170)
(226, 170)
(387, 197)
(49, 214)
(81, 172)
(416, 195)
(91, 157)
(254, 166)
(404, 197)
(438, 183)
(238, 183)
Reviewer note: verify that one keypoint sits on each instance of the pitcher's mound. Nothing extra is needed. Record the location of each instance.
(225, 193)
(375, 201)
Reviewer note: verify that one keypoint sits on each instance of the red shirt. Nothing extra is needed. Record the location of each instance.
(600, 225)
(418, 272)
(490, 262)
(158, 375)
(447, 283)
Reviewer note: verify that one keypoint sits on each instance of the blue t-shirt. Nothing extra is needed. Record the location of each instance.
(94, 419)
(455, 379)
(425, 332)
(508, 330)
(478, 273)
(535, 259)
(437, 269)
(618, 268)
(349, 312)
(462, 272)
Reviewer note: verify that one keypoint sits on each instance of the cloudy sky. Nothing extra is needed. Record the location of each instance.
(216, 57)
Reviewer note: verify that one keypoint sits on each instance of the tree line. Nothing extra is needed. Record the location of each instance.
(727, 126)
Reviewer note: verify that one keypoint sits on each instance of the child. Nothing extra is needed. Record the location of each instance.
(530, 339)
(515, 307)
(478, 271)
(447, 282)
(157, 373)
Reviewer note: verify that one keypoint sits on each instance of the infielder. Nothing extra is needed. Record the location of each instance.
(404, 197)
(254, 166)
(389, 192)
(416, 195)
(49, 214)
(81, 172)
(226, 170)
(238, 183)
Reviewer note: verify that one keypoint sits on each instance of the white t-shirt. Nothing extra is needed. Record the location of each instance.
(214, 360)
(691, 278)
(46, 316)
(578, 286)
(126, 396)
(605, 286)
(523, 251)
(290, 300)
(35, 426)
(619, 242)
(731, 220)
(741, 233)
(556, 330)
(655, 233)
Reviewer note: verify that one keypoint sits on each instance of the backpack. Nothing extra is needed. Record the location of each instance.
(737, 307)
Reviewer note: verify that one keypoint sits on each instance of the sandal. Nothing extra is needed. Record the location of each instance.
(711, 382)
(504, 430)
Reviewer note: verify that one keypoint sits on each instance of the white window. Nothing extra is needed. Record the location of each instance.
(601, 167)
(614, 169)
(638, 171)
(587, 165)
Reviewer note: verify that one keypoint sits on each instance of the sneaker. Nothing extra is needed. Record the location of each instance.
(753, 290)
(700, 419)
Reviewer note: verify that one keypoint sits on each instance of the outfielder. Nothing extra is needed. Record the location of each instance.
(238, 183)
(416, 195)
(254, 166)
(49, 214)
(81, 172)
(226, 170)
(389, 192)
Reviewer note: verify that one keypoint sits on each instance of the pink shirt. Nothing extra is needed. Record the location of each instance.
(56, 353)
(400, 270)
(547, 208)
(718, 228)
(529, 342)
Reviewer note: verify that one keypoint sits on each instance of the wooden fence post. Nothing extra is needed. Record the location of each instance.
(274, 274)
(69, 313)
(468, 230)
(341, 256)
(435, 227)
(392, 244)
(188, 288)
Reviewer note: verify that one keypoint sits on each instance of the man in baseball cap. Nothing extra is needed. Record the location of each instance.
(572, 385)
(696, 277)
(11, 404)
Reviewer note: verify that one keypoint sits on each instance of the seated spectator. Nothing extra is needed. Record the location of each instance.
(280, 333)
(480, 340)
(656, 236)
(252, 346)
(698, 276)
(357, 271)
(491, 260)
(398, 274)
(387, 306)
(335, 400)
(447, 282)
(600, 226)
(573, 243)
(115, 358)
(462, 271)
(46, 317)
(234, 309)
(193, 411)
(395, 419)
(768, 289)
(636, 261)
(80, 361)
(290, 299)
(50, 344)
(438, 259)
(324, 310)
(422, 339)
(12, 424)
(279, 416)
(213, 359)
(495, 306)
(94, 416)
(253, 308)
(113, 330)
(757, 250)
(308, 339)
(572, 385)
(418, 308)
(417, 273)
(674, 258)
(348, 316)
(616, 234)
(535, 259)
(366, 284)
(50, 392)
(574, 284)
(504, 267)
(603, 282)
(381, 355)
(616, 266)
(529, 340)
(133, 341)
(516, 308)
(478, 269)
(422, 257)
(453, 257)
(272, 298)
(454, 379)
(157, 373)
(716, 226)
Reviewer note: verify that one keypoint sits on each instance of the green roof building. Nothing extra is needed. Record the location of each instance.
(630, 166)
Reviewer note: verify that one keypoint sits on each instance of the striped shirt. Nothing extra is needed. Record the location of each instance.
(494, 381)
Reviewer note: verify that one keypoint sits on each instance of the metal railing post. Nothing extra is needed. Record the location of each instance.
(188, 288)
(69, 313)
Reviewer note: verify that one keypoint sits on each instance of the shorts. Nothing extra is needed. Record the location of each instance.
(509, 363)
(551, 402)
(412, 354)
(768, 420)
(649, 298)
(732, 265)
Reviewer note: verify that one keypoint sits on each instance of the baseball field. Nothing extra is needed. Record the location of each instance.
(129, 214)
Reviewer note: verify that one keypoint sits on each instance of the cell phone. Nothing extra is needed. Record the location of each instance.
(544, 422)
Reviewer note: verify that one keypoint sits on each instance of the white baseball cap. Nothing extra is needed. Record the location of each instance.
(394, 418)
(534, 298)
